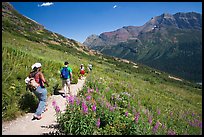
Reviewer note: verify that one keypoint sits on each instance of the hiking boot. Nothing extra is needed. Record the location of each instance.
(36, 117)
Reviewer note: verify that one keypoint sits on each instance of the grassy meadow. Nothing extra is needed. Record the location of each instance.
(116, 99)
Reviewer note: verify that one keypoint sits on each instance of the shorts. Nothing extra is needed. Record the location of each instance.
(82, 72)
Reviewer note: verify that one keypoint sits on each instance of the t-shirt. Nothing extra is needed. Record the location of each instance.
(69, 70)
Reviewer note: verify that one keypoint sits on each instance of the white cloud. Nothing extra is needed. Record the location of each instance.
(46, 4)
(115, 6)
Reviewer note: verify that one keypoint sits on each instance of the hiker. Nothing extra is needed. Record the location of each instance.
(89, 67)
(40, 91)
(66, 76)
(82, 71)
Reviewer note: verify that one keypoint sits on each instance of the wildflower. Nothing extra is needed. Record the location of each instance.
(126, 113)
(88, 90)
(171, 132)
(163, 126)
(88, 98)
(111, 108)
(200, 124)
(137, 117)
(96, 89)
(112, 97)
(98, 123)
(156, 127)
(54, 103)
(108, 104)
(91, 90)
(77, 101)
(84, 107)
(150, 120)
(158, 112)
(94, 107)
(71, 99)
(57, 108)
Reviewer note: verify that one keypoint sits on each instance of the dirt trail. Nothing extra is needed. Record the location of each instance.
(26, 126)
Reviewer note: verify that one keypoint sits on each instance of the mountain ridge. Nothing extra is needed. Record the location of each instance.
(160, 39)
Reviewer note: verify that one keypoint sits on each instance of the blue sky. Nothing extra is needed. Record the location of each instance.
(78, 20)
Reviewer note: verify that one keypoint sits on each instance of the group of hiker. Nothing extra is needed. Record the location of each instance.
(36, 83)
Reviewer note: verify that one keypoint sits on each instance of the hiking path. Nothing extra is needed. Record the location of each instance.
(24, 125)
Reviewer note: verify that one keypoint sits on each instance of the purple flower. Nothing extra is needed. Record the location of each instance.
(54, 103)
(158, 112)
(156, 127)
(98, 123)
(111, 108)
(108, 104)
(126, 113)
(91, 90)
(150, 120)
(77, 101)
(57, 108)
(200, 124)
(94, 107)
(71, 99)
(84, 107)
(163, 126)
(171, 132)
(137, 117)
(96, 89)
(88, 98)
(88, 90)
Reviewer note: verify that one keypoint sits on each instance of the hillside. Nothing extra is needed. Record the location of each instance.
(130, 98)
(170, 43)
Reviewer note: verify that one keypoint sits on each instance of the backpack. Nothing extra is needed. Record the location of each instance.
(65, 73)
(31, 84)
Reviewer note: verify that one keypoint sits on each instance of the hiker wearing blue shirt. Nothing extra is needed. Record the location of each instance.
(66, 76)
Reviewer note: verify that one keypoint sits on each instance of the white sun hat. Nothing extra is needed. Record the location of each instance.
(37, 65)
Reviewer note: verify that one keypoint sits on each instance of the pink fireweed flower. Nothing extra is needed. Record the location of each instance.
(171, 132)
(137, 117)
(96, 89)
(88, 98)
(71, 99)
(91, 90)
(111, 108)
(150, 120)
(77, 101)
(126, 114)
(54, 103)
(57, 109)
(158, 112)
(84, 107)
(94, 107)
(156, 127)
(108, 104)
(88, 90)
(98, 123)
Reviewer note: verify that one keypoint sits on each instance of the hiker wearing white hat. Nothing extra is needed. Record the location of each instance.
(40, 90)
(36, 65)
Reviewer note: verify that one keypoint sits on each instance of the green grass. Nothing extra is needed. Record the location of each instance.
(147, 90)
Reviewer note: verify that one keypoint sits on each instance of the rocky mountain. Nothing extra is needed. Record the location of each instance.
(171, 43)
